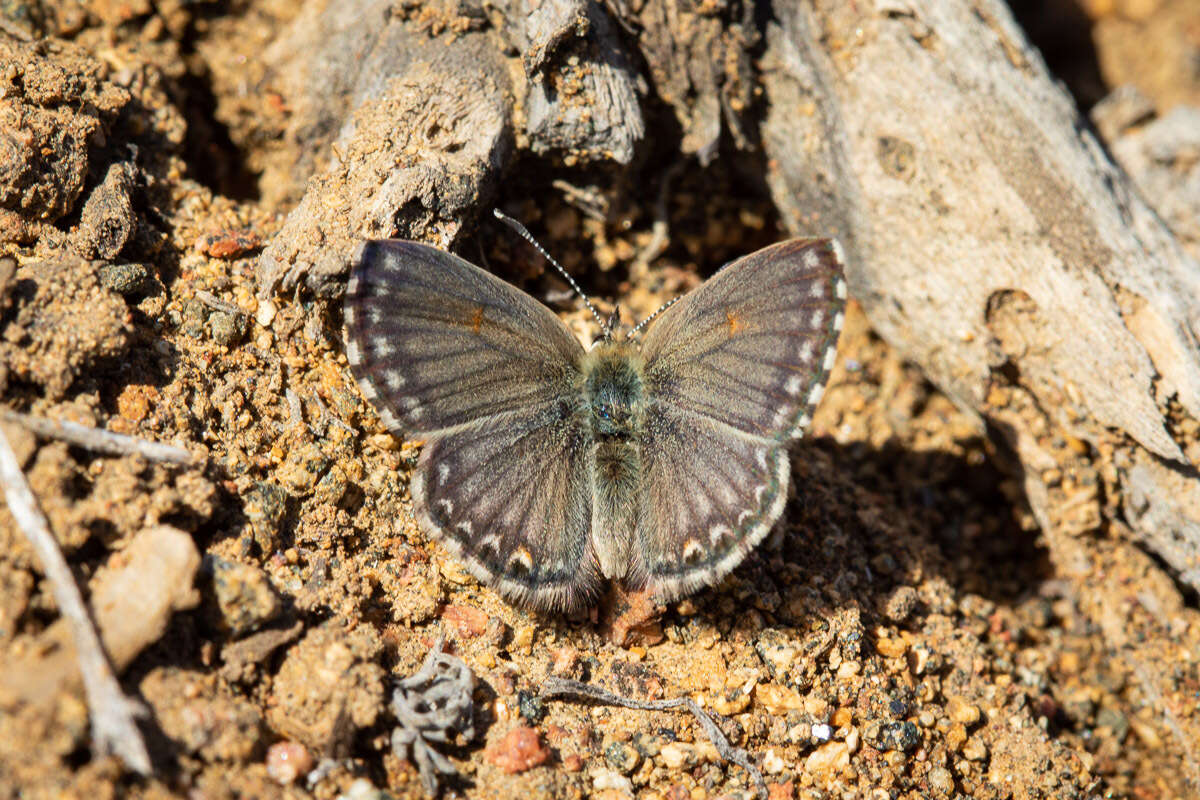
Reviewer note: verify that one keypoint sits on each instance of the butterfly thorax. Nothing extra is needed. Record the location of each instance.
(615, 399)
(613, 391)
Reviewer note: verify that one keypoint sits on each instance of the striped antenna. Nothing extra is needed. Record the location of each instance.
(519, 228)
(650, 318)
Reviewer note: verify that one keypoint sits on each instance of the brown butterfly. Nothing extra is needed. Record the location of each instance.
(548, 467)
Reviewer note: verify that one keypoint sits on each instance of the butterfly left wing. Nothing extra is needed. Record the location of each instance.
(511, 496)
(490, 379)
(733, 372)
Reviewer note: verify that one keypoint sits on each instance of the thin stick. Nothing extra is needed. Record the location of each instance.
(519, 228)
(561, 687)
(214, 302)
(98, 440)
(111, 712)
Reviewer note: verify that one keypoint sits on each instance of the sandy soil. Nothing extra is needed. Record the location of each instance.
(902, 635)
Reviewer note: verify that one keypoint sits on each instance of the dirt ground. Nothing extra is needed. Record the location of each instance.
(901, 635)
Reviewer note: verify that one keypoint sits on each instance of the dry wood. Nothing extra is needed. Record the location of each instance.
(995, 244)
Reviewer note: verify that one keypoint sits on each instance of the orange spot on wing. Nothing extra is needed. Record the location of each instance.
(477, 320)
(735, 323)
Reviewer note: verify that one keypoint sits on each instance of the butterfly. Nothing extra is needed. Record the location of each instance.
(549, 468)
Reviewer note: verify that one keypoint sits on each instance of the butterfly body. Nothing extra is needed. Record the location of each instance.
(549, 468)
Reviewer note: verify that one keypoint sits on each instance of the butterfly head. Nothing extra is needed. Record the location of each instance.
(613, 389)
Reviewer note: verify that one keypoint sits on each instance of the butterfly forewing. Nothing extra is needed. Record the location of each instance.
(753, 346)
(490, 379)
(436, 342)
(733, 371)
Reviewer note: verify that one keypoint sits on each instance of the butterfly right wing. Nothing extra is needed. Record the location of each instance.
(733, 373)
(490, 379)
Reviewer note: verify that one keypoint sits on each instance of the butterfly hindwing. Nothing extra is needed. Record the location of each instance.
(733, 372)
(437, 342)
(490, 379)
(511, 496)
(710, 493)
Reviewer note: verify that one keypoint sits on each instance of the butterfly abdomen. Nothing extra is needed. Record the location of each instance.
(615, 400)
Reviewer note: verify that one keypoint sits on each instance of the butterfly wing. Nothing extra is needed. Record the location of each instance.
(512, 497)
(733, 372)
(437, 342)
(490, 378)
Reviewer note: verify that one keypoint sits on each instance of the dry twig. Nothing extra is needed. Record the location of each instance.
(112, 714)
(561, 687)
(98, 440)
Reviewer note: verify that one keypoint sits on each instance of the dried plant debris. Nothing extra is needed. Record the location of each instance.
(562, 687)
(434, 705)
(111, 712)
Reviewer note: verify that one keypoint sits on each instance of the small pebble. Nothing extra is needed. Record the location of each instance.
(607, 779)
(287, 761)
(822, 732)
(678, 754)
(520, 749)
(772, 763)
(623, 757)
(124, 279)
(974, 749)
(962, 711)
(940, 781)
(899, 736)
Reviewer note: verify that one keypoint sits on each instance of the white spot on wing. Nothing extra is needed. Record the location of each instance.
(443, 471)
(807, 351)
(839, 288)
(718, 533)
(837, 322)
(815, 395)
(830, 357)
(793, 384)
(838, 252)
(817, 320)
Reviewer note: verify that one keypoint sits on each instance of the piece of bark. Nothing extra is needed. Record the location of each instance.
(992, 242)
(700, 64)
(108, 219)
(423, 132)
(581, 95)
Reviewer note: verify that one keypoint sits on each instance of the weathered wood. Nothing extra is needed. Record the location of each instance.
(995, 244)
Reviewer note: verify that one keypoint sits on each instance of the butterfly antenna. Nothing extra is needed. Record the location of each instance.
(650, 318)
(519, 228)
